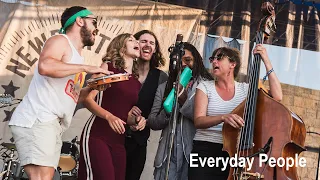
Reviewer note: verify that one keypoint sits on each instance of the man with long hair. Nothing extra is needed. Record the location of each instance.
(150, 76)
(47, 109)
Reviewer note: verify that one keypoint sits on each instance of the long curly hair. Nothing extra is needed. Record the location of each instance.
(199, 72)
(157, 59)
(115, 52)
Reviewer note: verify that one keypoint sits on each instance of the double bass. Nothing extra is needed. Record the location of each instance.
(270, 128)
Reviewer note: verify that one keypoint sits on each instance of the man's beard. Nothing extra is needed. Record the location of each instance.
(86, 36)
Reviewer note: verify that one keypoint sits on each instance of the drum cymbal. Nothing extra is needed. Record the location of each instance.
(9, 145)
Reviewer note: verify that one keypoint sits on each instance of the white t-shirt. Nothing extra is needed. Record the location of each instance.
(49, 98)
(218, 106)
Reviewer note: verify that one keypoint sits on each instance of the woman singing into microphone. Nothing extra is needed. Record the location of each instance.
(103, 154)
(159, 119)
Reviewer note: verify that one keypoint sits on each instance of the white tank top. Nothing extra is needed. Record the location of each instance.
(218, 106)
(49, 98)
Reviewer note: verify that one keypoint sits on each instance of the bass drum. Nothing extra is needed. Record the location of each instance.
(68, 163)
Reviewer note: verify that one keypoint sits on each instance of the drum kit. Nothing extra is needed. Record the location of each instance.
(67, 168)
(12, 170)
(69, 157)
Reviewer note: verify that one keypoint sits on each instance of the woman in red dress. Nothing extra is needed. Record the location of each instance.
(103, 155)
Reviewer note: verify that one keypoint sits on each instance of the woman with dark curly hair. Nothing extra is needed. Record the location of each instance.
(159, 119)
(103, 154)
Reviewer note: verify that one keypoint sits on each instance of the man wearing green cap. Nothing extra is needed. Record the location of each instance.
(47, 109)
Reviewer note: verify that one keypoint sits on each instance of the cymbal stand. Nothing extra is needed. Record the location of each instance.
(8, 166)
(7, 105)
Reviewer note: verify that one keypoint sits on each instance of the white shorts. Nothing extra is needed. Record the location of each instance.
(40, 144)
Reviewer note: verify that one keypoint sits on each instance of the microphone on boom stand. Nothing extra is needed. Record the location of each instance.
(176, 53)
(263, 150)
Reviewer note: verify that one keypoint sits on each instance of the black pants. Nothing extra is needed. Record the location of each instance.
(208, 149)
(136, 158)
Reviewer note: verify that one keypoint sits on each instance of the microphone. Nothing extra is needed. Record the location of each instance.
(178, 42)
(266, 147)
(264, 150)
(174, 56)
(179, 39)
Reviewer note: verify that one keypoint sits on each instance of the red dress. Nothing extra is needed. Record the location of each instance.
(103, 155)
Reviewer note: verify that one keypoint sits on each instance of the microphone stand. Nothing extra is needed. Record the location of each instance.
(178, 51)
(263, 150)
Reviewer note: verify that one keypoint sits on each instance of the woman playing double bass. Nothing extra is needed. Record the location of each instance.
(214, 102)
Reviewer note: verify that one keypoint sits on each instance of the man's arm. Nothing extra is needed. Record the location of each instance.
(52, 60)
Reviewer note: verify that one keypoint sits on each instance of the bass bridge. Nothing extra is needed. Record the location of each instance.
(242, 175)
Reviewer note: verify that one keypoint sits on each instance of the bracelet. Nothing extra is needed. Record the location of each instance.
(269, 72)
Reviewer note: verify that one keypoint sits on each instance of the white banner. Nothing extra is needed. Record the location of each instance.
(25, 27)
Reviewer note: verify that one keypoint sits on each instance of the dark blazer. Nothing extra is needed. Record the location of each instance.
(145, 101)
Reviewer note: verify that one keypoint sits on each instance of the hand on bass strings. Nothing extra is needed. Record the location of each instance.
(233, 119)
(260, 49)
(116, 124)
